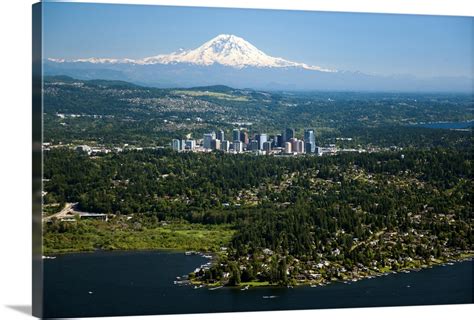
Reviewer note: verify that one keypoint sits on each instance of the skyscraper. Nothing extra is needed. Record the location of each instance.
(238, 147)
(300, 146)
(294, 144)
(244, 137)
(267, 146)
(220, 135)
(279, 141)
(236, 135)
(207, 138)
(215, 144)
(225, 145)
(288, 134)
(261, 138)
(310, 140)
(253, 145)
(287, 147)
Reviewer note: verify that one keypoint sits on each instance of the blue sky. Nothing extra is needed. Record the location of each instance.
(424, 46)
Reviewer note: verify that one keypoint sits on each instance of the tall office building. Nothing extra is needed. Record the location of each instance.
(207, 139)
(267, 146)
(287, 147)
(294, 144)
(300, 146)
(220, 135)
(244, 137)
(225, 145)
(261, 138)
(288, 134)
(238, 146)
(253, 145)
(176, 144)
(215, 144)
(310, 140)
(279, 141)
(236, 135)
(308, 146)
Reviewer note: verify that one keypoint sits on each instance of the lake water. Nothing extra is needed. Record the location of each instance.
(132, 283)
(447, 125)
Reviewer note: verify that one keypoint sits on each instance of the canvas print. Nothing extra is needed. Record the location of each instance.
(212, 160)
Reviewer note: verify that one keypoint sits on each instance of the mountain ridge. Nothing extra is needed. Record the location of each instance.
(232, 61)
(224, 49)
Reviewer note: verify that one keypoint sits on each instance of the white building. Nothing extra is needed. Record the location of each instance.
(238, 146)
(300, 146)
(225, 145)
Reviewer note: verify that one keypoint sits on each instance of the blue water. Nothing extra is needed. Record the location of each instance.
(141, 283)
(447, 125)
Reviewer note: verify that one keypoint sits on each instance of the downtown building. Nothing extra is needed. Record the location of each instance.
(236, 135)
(288, 134)
(310, 140)
(207, 140)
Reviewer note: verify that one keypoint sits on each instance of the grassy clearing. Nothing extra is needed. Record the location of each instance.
(93, 235)
(218, 95)
(255, 284)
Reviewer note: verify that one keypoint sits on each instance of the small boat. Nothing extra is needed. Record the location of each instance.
(313, 285)
(215, 288)
(244, 288)
(49, 258)
(90, 292)
(269, 297)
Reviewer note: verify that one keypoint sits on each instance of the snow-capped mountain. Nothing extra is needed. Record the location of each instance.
(227, 50)
(232, 61)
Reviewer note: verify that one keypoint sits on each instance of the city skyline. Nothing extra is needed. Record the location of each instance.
(285, 143)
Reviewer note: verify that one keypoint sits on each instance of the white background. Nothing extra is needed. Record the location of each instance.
(15, 151)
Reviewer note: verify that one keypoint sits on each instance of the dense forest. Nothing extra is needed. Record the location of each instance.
(299, 207)
(403, 200)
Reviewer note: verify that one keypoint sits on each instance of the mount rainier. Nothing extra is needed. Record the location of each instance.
(231, 60)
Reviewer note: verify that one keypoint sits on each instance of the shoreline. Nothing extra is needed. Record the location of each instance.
(211, 256)
(53, 254)
(322, 283)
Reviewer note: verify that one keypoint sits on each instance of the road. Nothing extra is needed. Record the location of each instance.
(61, 214)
